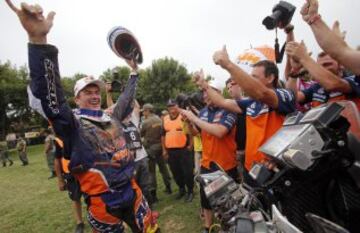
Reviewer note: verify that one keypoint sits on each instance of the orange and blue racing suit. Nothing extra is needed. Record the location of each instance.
(317, 95)
(95, 145)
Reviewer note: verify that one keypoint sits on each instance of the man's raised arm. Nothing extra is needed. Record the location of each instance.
(32, 19)
(123, 106)
(328, 80)
(253, 87)
(328, 39)
(216, 98)
(45, 92)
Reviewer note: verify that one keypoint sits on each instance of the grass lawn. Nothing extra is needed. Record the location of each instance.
(30, 203)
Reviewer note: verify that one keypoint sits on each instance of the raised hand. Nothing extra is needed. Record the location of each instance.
(336, 29)
(309, 10)
(295, 65)
(132, 64)
(33, 21)
(297, 51)
(221, 57)
(199, 79)
(187, 114)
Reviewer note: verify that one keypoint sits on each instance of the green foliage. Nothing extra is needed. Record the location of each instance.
(15, 113)
(119, 74)
(68, 84)
(164, 79)
(226, 93)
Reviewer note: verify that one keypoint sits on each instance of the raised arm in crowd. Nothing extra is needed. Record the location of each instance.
(330, 41)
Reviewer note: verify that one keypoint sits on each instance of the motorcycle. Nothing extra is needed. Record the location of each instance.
(315, 182)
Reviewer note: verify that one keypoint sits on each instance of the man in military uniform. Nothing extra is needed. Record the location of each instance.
(22, 149)
(49, 148)
(4, 155)
(151, 132)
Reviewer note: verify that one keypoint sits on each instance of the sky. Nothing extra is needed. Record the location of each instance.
(189, 31)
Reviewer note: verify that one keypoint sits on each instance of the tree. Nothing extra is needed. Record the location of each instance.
(118, 73)
(15, 113)
(68, 84)
(164, 79)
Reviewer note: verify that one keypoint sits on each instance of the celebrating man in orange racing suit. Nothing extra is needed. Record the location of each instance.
(99, 157)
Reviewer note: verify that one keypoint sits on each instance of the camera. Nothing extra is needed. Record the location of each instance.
(117, 85)
(192, 100)
(281, 16)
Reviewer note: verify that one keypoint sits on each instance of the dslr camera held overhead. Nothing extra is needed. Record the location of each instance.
(282, 14)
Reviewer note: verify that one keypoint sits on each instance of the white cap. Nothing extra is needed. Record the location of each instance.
(85, 81)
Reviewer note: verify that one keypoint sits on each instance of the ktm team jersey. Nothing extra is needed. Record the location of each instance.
(317, 95)
(219, 150)
(262, 122)
(93, 141)
(354, 96)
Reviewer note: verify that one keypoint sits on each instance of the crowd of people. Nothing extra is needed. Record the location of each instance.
(109, 156)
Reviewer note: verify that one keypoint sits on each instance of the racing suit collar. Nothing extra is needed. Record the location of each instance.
(90, 112)
(93, 115)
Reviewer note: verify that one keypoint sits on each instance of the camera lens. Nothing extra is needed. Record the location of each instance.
(115, 86)
(270, 22)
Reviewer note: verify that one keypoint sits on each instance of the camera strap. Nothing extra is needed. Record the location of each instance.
(279, 54)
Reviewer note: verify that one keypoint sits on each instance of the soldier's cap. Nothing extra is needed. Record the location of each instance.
(85, 81)
(171, 102)
(147, 106)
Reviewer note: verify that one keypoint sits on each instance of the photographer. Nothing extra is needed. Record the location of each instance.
(330, 41)
(218, 143)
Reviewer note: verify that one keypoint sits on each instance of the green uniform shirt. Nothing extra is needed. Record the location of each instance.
(151, 130)
(21, 145)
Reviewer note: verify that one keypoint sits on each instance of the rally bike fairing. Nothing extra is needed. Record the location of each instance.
(318, 169)
(314, 186)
